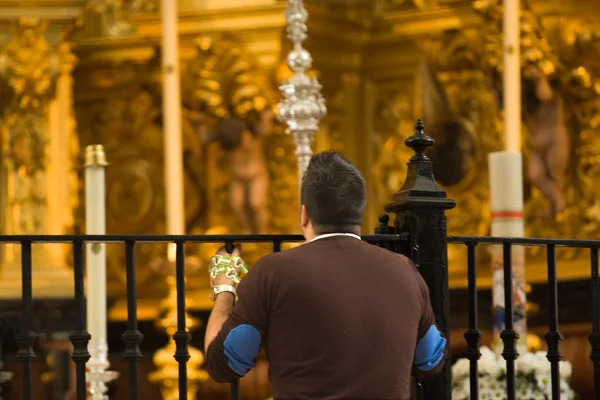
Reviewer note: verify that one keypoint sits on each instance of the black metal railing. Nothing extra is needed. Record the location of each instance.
(418, 231)
(419, 208)
(132, 337)
(509, 336)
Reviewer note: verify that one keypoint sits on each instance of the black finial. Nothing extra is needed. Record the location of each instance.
(419, 142)
(384, 219)
(384, 228)
(420, 126)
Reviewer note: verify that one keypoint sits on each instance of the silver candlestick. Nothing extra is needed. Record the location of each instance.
(302, 106)
(4, 377)
(98, 374)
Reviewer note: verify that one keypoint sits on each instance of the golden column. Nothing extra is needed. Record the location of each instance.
(37, 144)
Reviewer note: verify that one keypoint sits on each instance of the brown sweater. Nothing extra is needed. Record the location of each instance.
(339, 319)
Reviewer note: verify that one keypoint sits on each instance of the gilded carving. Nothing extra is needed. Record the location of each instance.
(29, 68)
(463, 117)
(393, 125)
(579, 50)
(35, 112)
(109, 19)
(385, 6)
(461, 111)
(332, 134)
(143, 6)
(566, 56)
(468, 70)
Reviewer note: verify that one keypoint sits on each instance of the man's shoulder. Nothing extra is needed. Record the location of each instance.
(274, 265)
(308, 250)
(296, 255)
(281, 256)
(381, 252)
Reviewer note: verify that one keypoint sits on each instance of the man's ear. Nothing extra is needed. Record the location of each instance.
(304, 219)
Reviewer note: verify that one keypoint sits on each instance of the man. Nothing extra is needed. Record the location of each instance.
(339, 318)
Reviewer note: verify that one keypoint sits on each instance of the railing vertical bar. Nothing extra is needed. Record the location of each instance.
(276, 246)
(181, 337)
(553, 337)
(235, 385)
(27, 337)
(595, 335)
(473, 336)
(1, 358)
(132, 336)
(81, 336)
(235, 390)
(509, 335)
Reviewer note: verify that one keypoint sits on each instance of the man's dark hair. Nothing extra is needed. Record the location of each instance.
(334, 193)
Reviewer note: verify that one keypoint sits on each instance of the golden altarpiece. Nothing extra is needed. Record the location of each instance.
(75, 73)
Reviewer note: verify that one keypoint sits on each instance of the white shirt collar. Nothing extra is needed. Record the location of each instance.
(328, 235)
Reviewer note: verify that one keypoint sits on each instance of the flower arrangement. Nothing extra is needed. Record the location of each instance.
(532, 377)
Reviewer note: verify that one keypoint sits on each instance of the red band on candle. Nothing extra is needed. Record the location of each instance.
(507, 215)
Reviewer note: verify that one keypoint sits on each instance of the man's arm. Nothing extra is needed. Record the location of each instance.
(430, 354)
(234, 332)
(218, 316)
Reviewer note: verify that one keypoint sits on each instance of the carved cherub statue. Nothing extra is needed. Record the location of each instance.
(544, 117)
(230, 106)
(249, 175)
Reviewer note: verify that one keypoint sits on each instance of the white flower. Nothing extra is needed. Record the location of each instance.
(525, 393)
(487, 354)
(466, 386)
(461, 368)
(527, 363)
(461, 389)
(542, 365)
(566, 369)
(491, 364)
(532, 378)
(566, 392)
(544, 383)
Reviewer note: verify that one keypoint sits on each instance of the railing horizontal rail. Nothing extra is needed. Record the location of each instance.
(175, 238)
(524, 241)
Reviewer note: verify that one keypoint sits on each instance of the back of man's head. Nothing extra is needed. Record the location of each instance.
(334, 193)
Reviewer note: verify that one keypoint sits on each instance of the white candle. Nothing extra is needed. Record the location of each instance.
(512, 76)
(506, 203)
(172, 120)
(95, 223)
(506, 193)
